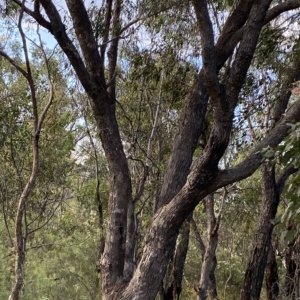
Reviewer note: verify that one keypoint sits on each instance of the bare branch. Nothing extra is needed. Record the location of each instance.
(12, 62)
(59, 32)
(106, 29)
(208, 50)
(113, 49)
(280, 8)
(254, 160)
(36, 14)
(50, 84)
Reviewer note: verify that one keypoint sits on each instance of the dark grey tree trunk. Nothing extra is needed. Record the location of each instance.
(272, 283)
(291, 283)
(261, 244)
(173, 280)
(271, 191)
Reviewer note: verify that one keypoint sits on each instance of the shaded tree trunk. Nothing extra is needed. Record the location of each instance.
(173, 284)
(209, 260)
(212, 286)
(272, 284)
(271, 191)
(256, 267)
(292, 255)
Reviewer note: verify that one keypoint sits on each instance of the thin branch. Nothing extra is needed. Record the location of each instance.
(12, 62)
(251, 129)
(36, 15)
(106, 29)
(155, 123)
(286, 173)
(29, 73)
(198, 237)
(50, 84)
(113, 49)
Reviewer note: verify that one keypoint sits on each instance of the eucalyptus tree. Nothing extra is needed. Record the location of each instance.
(92, 42)
(28, 95)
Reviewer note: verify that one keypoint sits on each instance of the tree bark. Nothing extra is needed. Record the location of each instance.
(291, 283)
(209, 262)
(271, 191)
(212, 286)
(272, 283)
(173, 284)
(256, 267)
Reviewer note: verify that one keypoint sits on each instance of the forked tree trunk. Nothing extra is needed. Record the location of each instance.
(173, 284)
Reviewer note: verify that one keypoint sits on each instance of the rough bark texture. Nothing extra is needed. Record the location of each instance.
(262, 240)
(256, 267)
(291, 284)
(272, 283)
(173, 280)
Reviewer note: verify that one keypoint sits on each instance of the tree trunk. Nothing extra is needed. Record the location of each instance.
(256, 267)
(292, 254)
(272, 284)
(212, 286)
(209, 260)
(180, 256)
(173, 284)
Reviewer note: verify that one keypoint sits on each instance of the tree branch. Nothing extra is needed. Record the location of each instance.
(286, 173)
(12, 62)
(36, 15)
(87, 41)
(106, 29)
(59, 32)
(113, 49)
(280, 8)
(246, 50)
(208, 51)
(255, 159)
